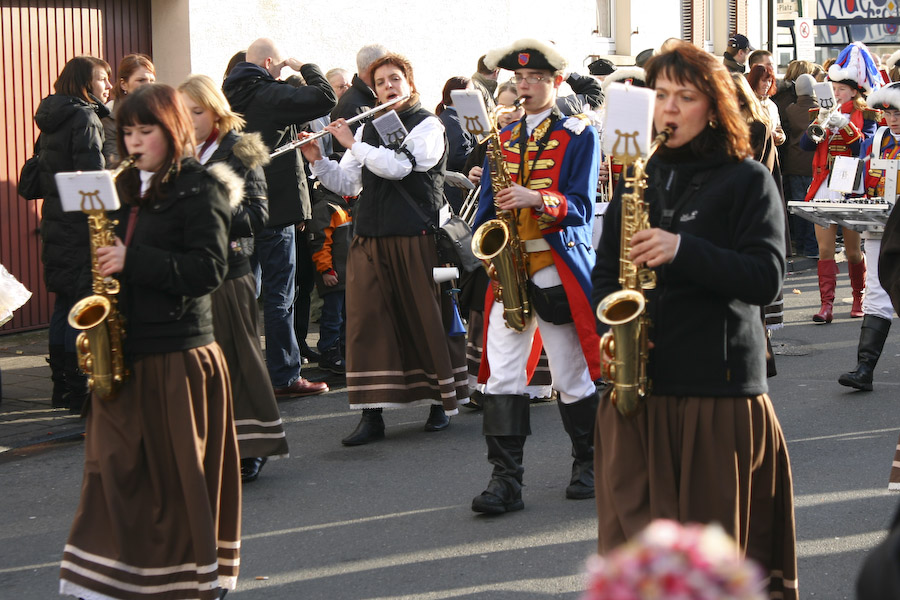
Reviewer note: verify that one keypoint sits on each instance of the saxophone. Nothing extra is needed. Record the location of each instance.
(497, 243)
(99, 345)
(625, 311)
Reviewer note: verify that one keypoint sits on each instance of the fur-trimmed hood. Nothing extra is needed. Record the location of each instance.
(251, 150)
(233, 183)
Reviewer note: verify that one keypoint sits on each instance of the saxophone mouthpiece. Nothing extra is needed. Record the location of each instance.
(517, 103)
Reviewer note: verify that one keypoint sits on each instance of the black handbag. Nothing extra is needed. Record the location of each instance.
(453, 238)
(30, 176)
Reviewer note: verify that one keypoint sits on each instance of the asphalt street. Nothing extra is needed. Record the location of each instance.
(391, 520)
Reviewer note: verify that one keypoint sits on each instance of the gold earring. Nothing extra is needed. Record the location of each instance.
(713, 124)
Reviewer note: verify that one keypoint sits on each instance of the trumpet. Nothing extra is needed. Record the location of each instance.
(363, 115)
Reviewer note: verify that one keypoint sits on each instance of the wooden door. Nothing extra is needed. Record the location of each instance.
(38, 38)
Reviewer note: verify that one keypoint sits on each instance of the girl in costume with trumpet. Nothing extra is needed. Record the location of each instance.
(160, 503)
(853, 75)
(705, 445)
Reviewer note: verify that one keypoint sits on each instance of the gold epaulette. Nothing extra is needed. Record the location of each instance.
(872, 114)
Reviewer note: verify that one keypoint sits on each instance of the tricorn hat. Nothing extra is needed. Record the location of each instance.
(601, 67)
(526, 54)
(885, 98)
(633, 75)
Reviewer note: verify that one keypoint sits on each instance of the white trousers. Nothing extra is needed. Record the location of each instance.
(876, 301)
(508, 351)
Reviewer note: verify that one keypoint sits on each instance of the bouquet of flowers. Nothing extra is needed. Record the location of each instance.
(671, 561)
(12, 295)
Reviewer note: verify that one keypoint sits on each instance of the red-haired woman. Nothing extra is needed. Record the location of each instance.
(398, 352)
(707, 446)
(135, 70)
(160, 502)
(71, 140)
(764, 84)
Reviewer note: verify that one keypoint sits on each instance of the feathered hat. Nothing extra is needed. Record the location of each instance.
(526, 53)
(633, 75)
(888, 97)
(854, 67)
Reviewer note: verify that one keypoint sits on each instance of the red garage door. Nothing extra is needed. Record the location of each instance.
(37, 39)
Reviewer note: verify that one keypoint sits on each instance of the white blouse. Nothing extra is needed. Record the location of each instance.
(425, 142)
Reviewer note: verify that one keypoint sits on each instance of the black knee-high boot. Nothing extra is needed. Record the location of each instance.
(872, 336)
(578, 418)
(506, 423)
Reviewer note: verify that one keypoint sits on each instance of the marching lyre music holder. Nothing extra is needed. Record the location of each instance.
(87, 191)
(628, 130)
(473, 115)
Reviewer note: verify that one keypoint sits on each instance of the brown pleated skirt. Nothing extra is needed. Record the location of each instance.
(160, 509)
(700, 460)
(257, 419)
(398, 348)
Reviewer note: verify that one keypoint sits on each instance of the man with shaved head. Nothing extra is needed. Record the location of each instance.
(275, 109)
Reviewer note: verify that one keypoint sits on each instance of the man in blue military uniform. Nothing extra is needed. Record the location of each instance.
(553, 161)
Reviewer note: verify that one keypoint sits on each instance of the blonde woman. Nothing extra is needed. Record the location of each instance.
(217, 130)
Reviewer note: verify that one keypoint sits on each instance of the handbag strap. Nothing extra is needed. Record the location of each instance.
(418, 209)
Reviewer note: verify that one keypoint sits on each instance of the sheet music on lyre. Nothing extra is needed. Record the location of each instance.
(87, 190)
(390, 129)
(473, 116)
(628, 129)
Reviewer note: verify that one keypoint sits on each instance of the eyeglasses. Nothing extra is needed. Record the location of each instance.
(531, 79)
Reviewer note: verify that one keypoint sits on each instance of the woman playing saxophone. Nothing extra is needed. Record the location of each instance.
(707, 446)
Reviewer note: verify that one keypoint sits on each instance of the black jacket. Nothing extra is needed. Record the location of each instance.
(705, 308)
(271, 107)
(177, 256)
(382, 209)
(358, 99)
(71, 140)
(586, 90)
(459, 145)
(245, 154)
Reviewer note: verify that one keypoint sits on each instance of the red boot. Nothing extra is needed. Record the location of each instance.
(858, 283)
(828, 271)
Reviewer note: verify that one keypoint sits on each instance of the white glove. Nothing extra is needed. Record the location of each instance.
(576, 125)
(837, 120)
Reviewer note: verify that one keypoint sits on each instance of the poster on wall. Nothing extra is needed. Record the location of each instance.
(858, 9)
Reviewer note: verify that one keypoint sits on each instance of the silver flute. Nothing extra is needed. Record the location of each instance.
(297, 143)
